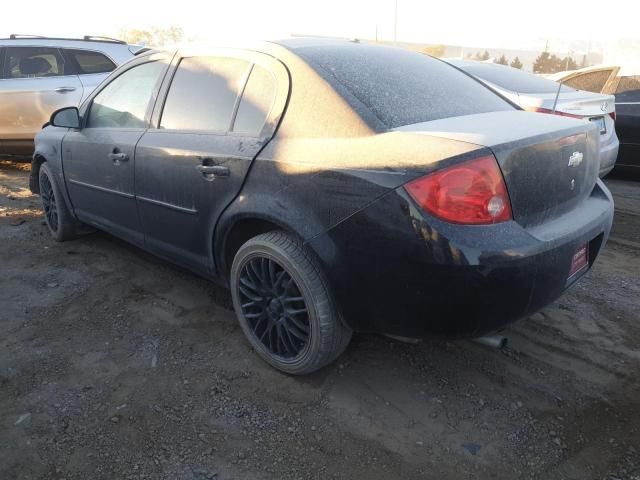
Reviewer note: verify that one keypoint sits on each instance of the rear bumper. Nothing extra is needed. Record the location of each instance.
(608, 155)
(396, 271)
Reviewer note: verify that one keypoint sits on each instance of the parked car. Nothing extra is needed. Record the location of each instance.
(333, 187)
(626, 87)
(538, 94)
(38, 75)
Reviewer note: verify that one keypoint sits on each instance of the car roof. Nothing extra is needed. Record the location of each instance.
(117, 50)
(87, 43)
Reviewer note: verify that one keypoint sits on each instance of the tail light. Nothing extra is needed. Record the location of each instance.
(562, 114)
(471, 192)
(613, 115)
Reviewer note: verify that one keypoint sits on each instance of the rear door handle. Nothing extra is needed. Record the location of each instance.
(211, 171)
(65, 89)
(117, 156)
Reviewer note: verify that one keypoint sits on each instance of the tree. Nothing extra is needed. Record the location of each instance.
(551, 63)
(156, 36)
(483, 56)
(434, 50)
(503, 60)
(542, 63)
(568, 63)
(517, 63)
(548, 63)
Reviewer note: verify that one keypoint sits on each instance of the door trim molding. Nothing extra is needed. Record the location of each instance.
(102, 189)
(190, 211)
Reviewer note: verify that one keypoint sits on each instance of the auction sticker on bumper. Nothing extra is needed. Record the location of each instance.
(580, 261)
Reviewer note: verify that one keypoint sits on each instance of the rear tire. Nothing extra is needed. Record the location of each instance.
(62, 225)
(284, 305)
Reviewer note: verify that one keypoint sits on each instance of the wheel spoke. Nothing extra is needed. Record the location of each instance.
(298, 324)
(287, 335)
(296, 332)
(254, 274)
(296, 311)
(246, 281)
(272, 273)
(293, 299)
(250, 295)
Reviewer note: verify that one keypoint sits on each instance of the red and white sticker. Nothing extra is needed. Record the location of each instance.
(580, 260)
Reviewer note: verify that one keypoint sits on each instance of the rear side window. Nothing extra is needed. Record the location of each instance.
(124, 102)
(256, 102)
(628, 89)
(33, 62)
(398, 86)
(203, 94)
(591, 81)
(512, 79)
(88, 62)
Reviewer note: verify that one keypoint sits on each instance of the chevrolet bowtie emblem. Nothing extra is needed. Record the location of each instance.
(575, 159)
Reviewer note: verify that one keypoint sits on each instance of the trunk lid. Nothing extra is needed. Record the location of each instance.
(550, 164)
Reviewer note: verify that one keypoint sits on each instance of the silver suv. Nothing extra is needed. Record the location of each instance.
(38, 75)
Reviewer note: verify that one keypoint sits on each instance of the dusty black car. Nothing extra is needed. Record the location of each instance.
(334, 187)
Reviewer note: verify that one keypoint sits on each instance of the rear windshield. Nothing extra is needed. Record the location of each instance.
(398, 86)
(512, 79)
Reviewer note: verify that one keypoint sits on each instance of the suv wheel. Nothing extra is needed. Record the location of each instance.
(284, 305)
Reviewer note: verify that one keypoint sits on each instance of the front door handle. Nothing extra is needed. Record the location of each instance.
(65, 89)
(117, 156)
(210, 172)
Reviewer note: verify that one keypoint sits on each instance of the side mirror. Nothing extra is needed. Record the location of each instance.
(67, 117)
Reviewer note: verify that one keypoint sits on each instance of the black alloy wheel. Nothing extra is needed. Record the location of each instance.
(284, 304)
(274, 307)
(49, 202)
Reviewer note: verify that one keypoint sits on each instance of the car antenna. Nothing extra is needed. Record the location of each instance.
(555, 102)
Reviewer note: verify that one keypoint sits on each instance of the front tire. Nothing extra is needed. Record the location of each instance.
(284, 306)
(62, 225)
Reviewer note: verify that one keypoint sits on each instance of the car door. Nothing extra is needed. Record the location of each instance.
(628, 120)
(99, 157)
(34, 82)
(218, 113)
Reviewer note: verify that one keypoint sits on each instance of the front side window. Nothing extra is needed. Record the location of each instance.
(256, 102)
(203, 94)
(124, 102)
(33, 62)
(88, 62)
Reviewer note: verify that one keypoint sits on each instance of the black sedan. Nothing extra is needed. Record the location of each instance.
(334, 187)
(628, 121)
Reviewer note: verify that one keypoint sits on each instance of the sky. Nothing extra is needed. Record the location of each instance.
(486, 23)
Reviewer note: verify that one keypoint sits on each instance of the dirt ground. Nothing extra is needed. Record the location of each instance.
(117, 365)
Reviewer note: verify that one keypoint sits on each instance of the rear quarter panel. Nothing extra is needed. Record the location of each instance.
(307, 186)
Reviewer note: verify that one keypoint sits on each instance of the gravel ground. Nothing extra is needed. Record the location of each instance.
(117, 365)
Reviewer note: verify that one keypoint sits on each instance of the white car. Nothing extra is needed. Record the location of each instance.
(538, 94)
(38, 75)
